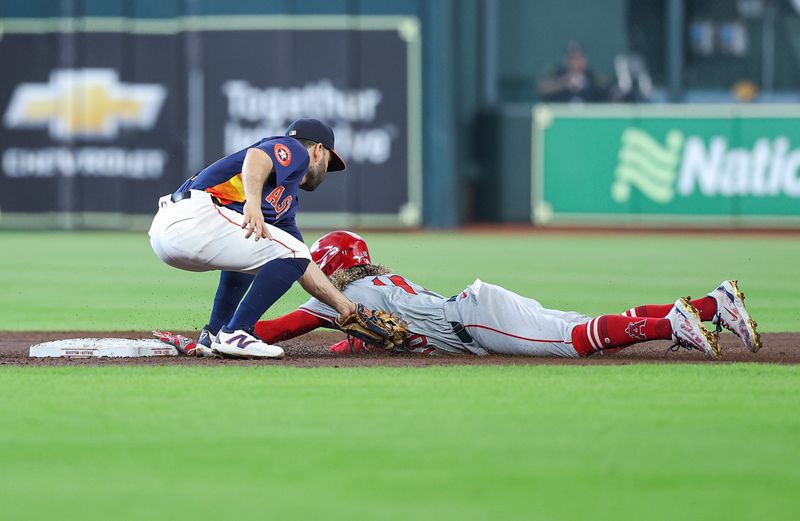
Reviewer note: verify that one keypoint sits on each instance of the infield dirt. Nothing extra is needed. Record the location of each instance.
(311, 350)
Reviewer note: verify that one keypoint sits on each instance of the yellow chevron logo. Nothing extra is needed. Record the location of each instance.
(89, 103)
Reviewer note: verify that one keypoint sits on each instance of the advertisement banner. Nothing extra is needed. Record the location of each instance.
(357, 81)
(109, 119)
(95, 134)
(652, 164)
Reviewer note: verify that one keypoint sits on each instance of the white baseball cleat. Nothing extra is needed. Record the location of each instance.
(688, 330)
(241, 344)
(732, 314)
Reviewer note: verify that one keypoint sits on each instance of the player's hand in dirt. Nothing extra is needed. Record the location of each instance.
(353, 346)
(254, 221)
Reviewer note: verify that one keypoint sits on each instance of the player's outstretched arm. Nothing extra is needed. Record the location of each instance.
(255, 170)
(318, 286)
(288, 326)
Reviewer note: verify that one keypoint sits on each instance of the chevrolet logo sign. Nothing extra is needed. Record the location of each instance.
(85, 103)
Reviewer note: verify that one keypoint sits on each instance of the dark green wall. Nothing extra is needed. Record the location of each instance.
(534, 35)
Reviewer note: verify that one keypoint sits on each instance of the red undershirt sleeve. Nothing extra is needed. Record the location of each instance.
(294, 324)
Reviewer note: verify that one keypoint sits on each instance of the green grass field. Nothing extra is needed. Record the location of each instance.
(543, 442)
(102, 281)
(706, 441)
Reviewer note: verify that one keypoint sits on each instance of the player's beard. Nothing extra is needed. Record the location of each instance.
(315, 175)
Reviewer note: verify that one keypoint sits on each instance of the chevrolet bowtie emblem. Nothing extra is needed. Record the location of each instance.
(84, 103)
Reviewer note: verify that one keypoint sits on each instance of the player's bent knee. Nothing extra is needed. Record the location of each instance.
(290, 247)
(302, 251)
(294, 250)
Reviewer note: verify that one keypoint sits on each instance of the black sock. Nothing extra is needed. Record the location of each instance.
(231, 289)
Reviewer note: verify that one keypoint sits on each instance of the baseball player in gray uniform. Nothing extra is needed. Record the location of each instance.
(484, 318)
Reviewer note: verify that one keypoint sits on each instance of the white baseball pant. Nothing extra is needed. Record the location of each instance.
(195, 234)
(503, 322)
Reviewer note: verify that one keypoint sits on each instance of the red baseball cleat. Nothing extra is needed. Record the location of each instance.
(184, 344)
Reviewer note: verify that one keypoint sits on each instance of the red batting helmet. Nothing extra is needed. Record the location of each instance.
(339, 250)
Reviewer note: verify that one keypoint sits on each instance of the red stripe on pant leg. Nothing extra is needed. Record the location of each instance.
(560, 341)
(294, 253)
(225, 216)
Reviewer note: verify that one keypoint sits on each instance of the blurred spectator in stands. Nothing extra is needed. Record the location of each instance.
(745, 91)
(574, 80)
(633, 83)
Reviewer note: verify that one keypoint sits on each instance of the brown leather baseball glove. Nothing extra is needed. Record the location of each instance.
(375, 327)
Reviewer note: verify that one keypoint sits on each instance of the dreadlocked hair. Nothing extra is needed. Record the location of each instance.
(341, 278)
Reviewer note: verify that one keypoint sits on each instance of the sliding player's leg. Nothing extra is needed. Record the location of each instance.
(724, 307)
(682, 325)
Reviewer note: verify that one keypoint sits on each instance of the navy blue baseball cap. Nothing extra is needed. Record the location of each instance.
(318, 132)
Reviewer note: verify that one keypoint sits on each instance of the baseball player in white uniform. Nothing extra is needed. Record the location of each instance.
(238, 216)
(484, 318)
